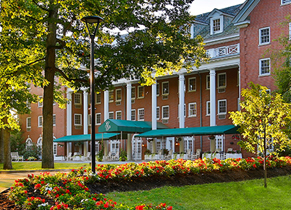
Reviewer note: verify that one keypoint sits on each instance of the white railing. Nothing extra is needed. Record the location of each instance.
(223, 51)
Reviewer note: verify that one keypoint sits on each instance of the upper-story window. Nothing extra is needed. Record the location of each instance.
(264, 66)
(158, 112)
(118, 115)
(77, 119)
(28, 122)
(165, 112)
(207, 82)
(98, 118)
(141, 114)
(39, 121)
(285, 2)
(165, 87)
(158, 89)
(222, 109)
(111, 115)
(98, 98)
(192, 110)
(133, 114)
(54, 119)
(111, 96)
(133, 92)
(140, 91)
(264, 36)
(40, 101)
(192, 84)
(207, 108)
(118, 95)
(77, 98)
(216, 25)
(221, 80)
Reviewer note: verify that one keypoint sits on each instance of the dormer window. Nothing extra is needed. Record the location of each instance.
(216, 25)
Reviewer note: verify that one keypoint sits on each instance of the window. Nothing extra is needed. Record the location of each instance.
(77, 119)
(165, 112)
(28, 105)
(118, 94)
(264, 36)
(192, 84)
(289, 31)
(158, 89)
(133, 93)
(28, 122)
(207, 82)
(54, 119)
(133, 114)
(158, 113)
(216, 25)
(55, 148)
(192, 109)
(285, 2)
(111, 96)
(265, 66)
(39, 121)
(141, 114)
(98, 98)
(98, 118)
(77, 98)
(40, 101)
(207, 108)
(111, 115)
(140, 91)
(89, 120)
(118, 115)
(222, 106)
(221, 80)
(165, 88)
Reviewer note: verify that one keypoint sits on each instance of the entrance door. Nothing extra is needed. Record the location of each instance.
(136, 148)
(219, 143)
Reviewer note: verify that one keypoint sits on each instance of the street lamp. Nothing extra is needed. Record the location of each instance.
(91, 20)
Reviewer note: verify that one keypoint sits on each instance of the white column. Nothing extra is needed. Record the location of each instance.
(154, 106)
(128, 101)
(69, 118)
(106, 105)
(85, 119)
(181, 100)
(212, 98)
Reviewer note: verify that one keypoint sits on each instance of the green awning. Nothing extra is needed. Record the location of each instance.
(193, 131)
(128, 126)
(86, 137)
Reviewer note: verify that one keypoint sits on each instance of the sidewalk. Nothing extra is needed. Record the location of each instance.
(7, 178)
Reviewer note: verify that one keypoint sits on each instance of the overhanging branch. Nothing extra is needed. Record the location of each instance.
(67, 78)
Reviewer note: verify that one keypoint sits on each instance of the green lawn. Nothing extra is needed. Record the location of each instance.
(36, 165)
(234, 195)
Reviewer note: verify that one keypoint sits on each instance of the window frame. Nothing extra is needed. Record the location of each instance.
(163, 112)
(96, 121)
(111, 113)
(189, 89)
(75, 115)
(218, 77)
(28, 119)
(212, 32)
(54, 119)
(116, 95)
(208, 111)
(167, 93)
(98, 94)
(158, 88)
(118, 112)
(288, 2)
(40, 104)
(39, 121)
(218, 107)
(77, 103)
(207, 82)
(133, 91)
(158, 113)
(139, 115)
(131, 115)
(189, 110)
(138, 91)
(260, 36)
(260, 67)
(111, 96)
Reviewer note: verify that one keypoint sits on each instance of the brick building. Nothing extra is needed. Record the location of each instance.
(236, 40)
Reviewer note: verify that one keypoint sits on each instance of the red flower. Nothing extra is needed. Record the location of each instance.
(106, 205)
(254, 166)
(170, 208)
(25, 191)
(94, 199)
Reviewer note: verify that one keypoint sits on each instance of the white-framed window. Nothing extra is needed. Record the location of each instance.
(141, 114)
(111, 96)
(98, 118)
(140, 91)
(165, 112)
(192, 109)
(158, 113)
(264, 35)
(28, 122)
(221, 80)
(222, 107)
(111, 115)
(165, 88)
(77, 119)
(118, 93)
(39, 121)
(283, 2)
(207, 82)
(55, 148)
(98, 98)
(118, 115)
(192, 84)
(216, 25)
(78, 98)
(133, 115)
(207, 108)
(54, 119)
(133, 95)
(264, 66)
(158, 89)
(40, 102)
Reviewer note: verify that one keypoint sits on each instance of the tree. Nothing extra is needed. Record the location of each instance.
(47, 39)
(261, 120)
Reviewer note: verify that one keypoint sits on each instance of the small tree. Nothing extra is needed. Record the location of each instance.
(261, 120)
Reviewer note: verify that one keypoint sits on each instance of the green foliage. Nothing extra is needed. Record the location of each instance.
(123, 155)
(32, 151)
(262, 115)
(101, 153)
(17, 143)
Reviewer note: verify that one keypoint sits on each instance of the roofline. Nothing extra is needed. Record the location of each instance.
(222, 39)
(246, 10)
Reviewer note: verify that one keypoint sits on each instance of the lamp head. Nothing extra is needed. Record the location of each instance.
(91, 20)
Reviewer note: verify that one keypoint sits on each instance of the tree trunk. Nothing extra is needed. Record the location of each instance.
(47, 143)
(7, 151)
(1, 147)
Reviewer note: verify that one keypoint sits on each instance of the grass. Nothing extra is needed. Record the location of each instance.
(36, 165)
(233, 195)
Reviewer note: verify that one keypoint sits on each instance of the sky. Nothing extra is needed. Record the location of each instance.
(202, 6)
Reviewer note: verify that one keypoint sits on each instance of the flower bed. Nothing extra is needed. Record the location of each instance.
(70, 191)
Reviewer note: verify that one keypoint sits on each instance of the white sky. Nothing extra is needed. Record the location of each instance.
(202, 6)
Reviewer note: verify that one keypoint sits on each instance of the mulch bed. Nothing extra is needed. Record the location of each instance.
(160, 181)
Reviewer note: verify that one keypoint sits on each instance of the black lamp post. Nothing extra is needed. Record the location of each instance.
(92, 20)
